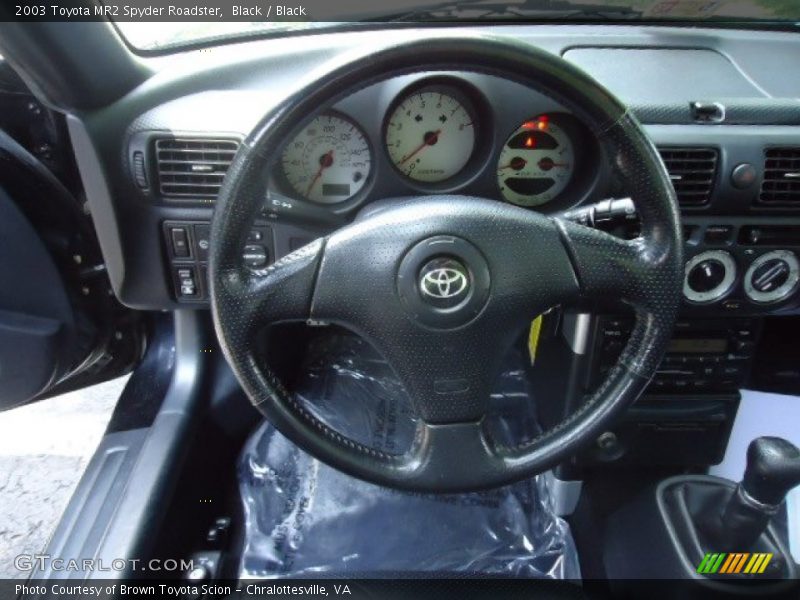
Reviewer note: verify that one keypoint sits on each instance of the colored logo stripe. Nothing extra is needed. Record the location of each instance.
(730, 562)
(710, 563)
(734, 563)
(758, 564)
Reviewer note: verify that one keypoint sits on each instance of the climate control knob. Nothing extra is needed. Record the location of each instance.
(772, 276)
(706, 276)
(709, 276)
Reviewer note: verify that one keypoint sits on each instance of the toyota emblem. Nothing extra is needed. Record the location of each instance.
(444, 280)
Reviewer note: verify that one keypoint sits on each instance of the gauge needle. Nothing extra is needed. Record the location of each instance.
(325, 161)
(516, 163)
(547, 163)
(430, 139)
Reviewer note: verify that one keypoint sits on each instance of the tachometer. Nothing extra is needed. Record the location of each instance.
(328, 161)
(430, 136)
(536, 163)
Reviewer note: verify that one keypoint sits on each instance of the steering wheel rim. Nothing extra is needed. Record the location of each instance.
(321, 281)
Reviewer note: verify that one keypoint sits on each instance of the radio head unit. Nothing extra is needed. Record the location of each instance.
(708, 355)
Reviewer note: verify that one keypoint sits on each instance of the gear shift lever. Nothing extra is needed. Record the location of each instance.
(684, 520)
(773, 468)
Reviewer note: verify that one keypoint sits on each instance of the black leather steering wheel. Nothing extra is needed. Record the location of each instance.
(443, 285)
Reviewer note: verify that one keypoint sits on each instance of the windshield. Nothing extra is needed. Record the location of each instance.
(272, 20)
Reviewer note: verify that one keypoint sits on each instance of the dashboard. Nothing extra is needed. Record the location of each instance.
(716, 103)
(426, 133)
(720, 106)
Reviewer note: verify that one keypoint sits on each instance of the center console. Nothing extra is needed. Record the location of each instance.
(739, 272)
(686, 414)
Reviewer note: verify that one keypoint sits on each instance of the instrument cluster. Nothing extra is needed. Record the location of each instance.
(440, 134)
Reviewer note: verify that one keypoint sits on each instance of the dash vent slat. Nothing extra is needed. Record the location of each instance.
(693, 172)
(193, 167)
(781, 183)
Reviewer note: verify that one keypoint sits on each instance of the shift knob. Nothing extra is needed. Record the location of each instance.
(773, 468)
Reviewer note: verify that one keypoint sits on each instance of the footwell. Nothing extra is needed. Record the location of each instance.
(305, 519)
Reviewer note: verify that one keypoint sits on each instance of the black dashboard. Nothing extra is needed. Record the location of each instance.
(720, 105)
(717, 104)
(419, 134)
(725, 123)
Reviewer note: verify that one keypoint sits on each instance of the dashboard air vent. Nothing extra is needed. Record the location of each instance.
(192, 167)
(781, 184)
(693, 172)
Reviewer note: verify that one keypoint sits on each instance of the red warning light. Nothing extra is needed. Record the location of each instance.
(539, 124)
(543, 122)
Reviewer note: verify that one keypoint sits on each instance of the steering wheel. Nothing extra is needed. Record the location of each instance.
(443, 285)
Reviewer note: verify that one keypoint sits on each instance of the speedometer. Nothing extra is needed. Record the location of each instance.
(430, 135)
(328, 161)
(536, 163)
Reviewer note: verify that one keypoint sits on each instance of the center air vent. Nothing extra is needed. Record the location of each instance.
(781, 185)
(192, 167)
(693, 172)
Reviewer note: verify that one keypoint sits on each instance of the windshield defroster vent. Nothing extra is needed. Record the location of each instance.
(191, 168)
(781, 183)
(693, 172)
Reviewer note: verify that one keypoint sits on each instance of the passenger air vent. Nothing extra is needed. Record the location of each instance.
(781, 184)
(192, 167)
(693, 172)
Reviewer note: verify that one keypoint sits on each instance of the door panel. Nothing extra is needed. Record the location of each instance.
(37, 323)
(61, 328)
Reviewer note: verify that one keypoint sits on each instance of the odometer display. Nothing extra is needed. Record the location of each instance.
(328, 161)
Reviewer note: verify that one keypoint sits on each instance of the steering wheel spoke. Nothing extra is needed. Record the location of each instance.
(281, 292)
(607, 266)
(449, 377)
(453, 457)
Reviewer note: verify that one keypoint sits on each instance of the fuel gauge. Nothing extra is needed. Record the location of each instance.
(536, 163)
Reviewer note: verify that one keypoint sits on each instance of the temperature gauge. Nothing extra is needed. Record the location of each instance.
(536, 163)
